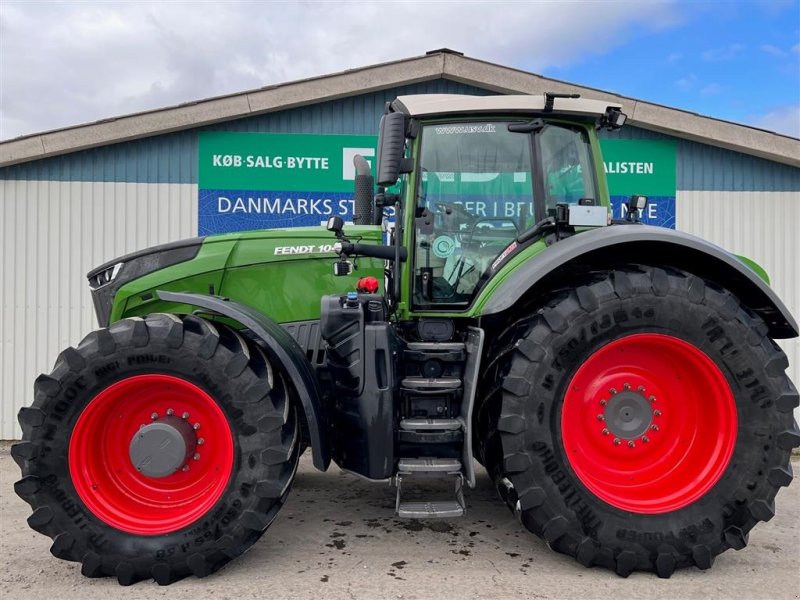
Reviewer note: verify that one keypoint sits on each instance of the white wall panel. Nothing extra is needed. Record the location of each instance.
(54, 232)
(764, 226)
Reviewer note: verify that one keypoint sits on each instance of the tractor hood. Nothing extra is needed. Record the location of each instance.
(247, 266)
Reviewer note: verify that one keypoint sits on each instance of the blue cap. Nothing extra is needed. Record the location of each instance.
(352, 295)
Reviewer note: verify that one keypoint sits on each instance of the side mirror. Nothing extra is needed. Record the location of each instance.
(635, 206)
(391, 147)
(335, 225)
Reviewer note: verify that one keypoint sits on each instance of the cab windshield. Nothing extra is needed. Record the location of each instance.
(475, 195)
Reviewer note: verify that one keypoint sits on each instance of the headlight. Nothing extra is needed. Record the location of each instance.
(104, 277)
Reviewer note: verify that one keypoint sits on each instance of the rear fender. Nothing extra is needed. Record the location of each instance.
(282, 349)
(655, 246)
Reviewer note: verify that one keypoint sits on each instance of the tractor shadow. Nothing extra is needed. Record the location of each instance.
(336, 522)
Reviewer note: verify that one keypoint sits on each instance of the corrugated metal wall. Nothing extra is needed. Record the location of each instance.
(172, 158)
(760, 225)
(53, 233)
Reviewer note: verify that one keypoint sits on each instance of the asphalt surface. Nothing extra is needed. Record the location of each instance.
(337, 537)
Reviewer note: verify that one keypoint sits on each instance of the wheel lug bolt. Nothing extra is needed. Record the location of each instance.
(154, 416)
(185, 415)
(631, 444)
(645, 439)
(656, 413)
(200, 441)
(654, 427)
(626, 386)
(601, 418)
(196, 426)
(652, 398)
(603, 402)
(640, 388)
(196, 456)
(612, 391)
(185, 468)
(170, 412)
(606, 432)
(617, 441)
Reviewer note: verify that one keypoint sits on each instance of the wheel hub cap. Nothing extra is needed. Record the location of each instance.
(628, 415)
(162, 447)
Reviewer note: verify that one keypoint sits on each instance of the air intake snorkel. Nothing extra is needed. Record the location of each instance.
(363, 196)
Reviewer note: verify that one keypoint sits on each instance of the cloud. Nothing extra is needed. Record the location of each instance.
(686, 83)
(75, 62)
(711, 89)
(782, 119)
(724, 53)
(674, 58)
(774, 51)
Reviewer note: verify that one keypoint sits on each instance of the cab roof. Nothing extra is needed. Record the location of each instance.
(428, 105)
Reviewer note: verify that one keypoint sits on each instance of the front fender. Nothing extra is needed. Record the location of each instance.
(282, 349)
(654, 246)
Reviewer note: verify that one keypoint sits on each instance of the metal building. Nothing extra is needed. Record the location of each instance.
(73, 198)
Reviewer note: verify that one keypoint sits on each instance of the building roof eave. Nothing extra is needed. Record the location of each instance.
(440, 64)
(647, 115)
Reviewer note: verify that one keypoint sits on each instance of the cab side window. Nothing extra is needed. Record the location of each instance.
(567, 166)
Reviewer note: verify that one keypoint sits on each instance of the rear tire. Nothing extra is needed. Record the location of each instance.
(84, 489)
(725, 443)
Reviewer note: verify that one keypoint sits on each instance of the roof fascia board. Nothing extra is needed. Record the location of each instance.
(498, 78)
(671, 121)
(226, 108)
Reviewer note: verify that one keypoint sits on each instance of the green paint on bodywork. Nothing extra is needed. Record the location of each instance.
(283, 273)
(755, 267)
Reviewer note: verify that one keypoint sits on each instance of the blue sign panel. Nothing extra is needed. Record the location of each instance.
(660, 210)
(224, 211)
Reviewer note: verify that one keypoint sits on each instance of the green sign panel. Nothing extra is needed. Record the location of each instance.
(640, 167)
(275, 161)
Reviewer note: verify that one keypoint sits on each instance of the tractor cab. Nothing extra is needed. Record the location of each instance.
(480, 179)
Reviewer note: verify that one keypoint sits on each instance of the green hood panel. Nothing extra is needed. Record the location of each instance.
(282, 273)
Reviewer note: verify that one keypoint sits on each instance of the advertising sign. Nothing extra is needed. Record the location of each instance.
(645, 167)
(270, 180)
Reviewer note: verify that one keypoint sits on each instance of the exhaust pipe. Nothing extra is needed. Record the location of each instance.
(363, 197)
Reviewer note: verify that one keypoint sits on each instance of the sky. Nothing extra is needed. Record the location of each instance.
(68, 63)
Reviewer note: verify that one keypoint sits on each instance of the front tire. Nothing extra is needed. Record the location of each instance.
(642, 421)
(98, 457)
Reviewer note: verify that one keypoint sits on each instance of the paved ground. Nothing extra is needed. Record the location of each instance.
(337, 538)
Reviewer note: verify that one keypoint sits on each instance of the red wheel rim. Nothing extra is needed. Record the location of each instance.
(108, 482)
(673, 391)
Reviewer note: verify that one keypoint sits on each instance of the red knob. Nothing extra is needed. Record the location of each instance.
(367, 285)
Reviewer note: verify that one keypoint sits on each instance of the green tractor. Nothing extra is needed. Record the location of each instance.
(619, 382)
